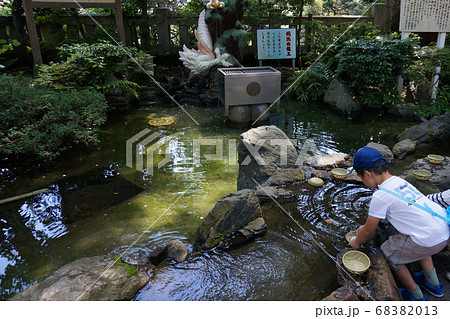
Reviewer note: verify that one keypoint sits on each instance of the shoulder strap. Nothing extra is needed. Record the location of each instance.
(425, 207)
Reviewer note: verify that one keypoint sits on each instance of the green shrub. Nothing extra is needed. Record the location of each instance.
(322, 37)
(439, 106)
(371, 67)
(424, 67)
(42, 122)
(91, 65)
(311, 84)
(7, 45)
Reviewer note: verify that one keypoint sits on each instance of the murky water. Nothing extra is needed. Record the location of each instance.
(97, 205)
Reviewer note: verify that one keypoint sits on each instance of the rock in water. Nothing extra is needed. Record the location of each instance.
(327, 161)
(404, 148)
(236, 218)
(436, 129)
(384, 150)
(267, 156)
(90, 278)
(175, 250)
(439, 180)
(339, 96)
(376, 283)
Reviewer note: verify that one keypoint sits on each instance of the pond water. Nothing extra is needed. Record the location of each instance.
(97, 205)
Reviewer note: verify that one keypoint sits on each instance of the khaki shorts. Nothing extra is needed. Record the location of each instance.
(400, 249)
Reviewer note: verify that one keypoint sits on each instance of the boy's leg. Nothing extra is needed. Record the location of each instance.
(407, 280)
(427, 263)
(429, 271)
(428, 279)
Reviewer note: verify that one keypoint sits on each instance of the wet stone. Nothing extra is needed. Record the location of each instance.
(74, 281)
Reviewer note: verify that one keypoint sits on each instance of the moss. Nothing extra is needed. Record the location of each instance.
(212, 242)
(131, 270)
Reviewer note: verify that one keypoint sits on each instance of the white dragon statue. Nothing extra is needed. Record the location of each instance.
(201, 60)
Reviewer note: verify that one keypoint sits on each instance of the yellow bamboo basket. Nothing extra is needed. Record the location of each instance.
(351, 235)
(435, 159)
(421, 174)
(356, 262)
(339, 173)
(315, 181)
(161, 121)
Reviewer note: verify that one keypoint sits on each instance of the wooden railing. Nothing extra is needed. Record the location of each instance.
(169, 32)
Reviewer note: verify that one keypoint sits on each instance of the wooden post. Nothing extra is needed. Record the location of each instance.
(308, 31)
(184, 35)
(119, 22)
(389, 4)
(440, 45)
(129, 34)
(32, 32)
(254, 38)
(3, 24)
(379, 13)
(163, 28)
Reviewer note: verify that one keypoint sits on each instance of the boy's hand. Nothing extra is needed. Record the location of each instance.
(365, 231)
(353, 244)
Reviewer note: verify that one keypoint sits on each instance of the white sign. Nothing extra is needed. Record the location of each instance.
(276, 43)
(425, 16)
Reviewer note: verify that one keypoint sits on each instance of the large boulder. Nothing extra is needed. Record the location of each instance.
(404, 110)
(236, 218)
(266, 152)
(404, 148)
(91, 278)
(339, 96)
(440, 179)
(436, 129)
(384, 150)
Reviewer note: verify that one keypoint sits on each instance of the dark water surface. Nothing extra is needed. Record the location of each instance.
(97, 205)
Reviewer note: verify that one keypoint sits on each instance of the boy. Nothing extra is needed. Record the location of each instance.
(420, 234)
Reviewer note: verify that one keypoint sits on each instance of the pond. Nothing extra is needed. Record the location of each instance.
(96, 205)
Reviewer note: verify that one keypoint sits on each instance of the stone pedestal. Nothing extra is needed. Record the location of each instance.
(259, 112)
(243, 114)
(240, 114)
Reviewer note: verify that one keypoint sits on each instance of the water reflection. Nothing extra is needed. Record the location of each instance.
(43, 217)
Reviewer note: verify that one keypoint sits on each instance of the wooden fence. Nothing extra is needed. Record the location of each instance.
(169, 32)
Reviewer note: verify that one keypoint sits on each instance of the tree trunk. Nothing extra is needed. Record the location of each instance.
(19, 22)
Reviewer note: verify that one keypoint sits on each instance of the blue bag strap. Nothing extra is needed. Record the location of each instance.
(425, 207)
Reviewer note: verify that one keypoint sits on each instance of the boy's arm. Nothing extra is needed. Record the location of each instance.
(365, 231)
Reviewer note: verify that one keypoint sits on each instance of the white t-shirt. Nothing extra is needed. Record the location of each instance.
(425, 230)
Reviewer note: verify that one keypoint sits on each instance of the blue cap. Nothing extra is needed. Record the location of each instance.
(366, 157)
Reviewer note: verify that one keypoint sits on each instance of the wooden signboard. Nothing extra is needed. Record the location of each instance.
(425, 16)
(30, 4)
(276, 43)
